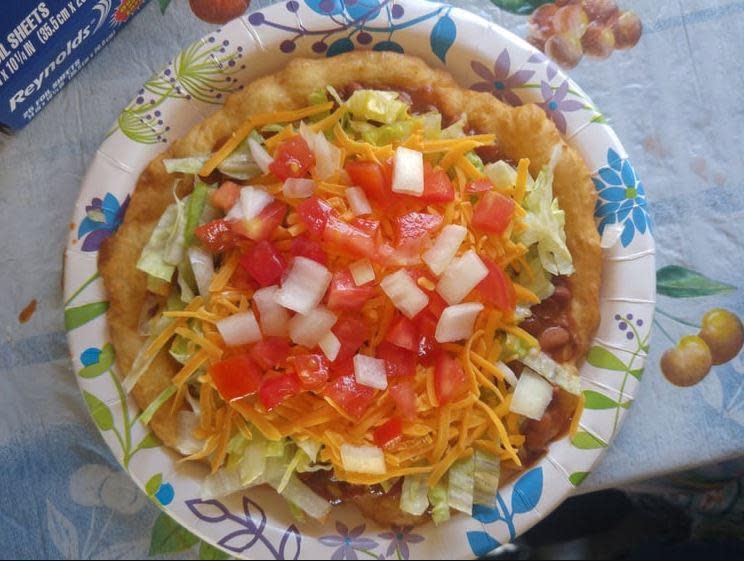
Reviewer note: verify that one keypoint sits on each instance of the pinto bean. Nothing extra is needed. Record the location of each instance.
(554, 338)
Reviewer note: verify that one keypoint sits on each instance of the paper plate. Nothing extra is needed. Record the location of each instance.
(480, 55)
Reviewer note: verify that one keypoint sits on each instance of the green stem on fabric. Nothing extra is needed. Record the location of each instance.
(678, 320)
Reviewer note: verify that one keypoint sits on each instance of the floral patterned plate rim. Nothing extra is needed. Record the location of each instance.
(481, 55)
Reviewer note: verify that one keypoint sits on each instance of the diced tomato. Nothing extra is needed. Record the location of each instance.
(404, 396)
(347, 239)
(217, 236)
(271, 352)
(236, 377)
(278, 388)
(312, 370)
(302, 246)
(415, 225)
(437, 186)
(497, 289)
(371, 177)
(493, 213)
(426, 326)
(242, 280)
(264, 263)
(262, 226)
(344, 294)
(478, 186)
(402, 333)
(340, 368)
(388, 433)
(366, 225)
(398, 362)
(351, 332)
(450, 380)
(353, 398)
(436, 304)
(314, 214)
(293, 158)
(226, 195)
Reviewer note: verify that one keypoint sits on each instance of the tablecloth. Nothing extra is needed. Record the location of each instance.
(675, 100)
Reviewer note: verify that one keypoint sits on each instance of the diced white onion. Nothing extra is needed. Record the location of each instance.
(532, 396)
(509, 375)
(304, 286)
(363, 459)
(253, 200)
(330, 345)
(370, 372)
(203, 266)
(358, 201)
(404, 293)
(408, 172)
(461, 276)
(456, 322)
(272, 317)
(235, 212)
(308, 329)
(186, 442)
(298, 187)
(362, 272)
(327, 155)
(445, 248)
(239, 329)
(259, 154)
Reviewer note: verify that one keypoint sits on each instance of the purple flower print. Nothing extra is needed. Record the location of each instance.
(103, 218)
(555, 104)
(347, 542)
(400, 537)
(500, 81)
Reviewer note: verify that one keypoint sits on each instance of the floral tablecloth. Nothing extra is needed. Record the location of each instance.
(674, 100)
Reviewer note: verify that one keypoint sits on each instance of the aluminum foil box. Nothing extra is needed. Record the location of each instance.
(43, 45)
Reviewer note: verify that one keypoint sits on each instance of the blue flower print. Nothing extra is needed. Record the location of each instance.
(622, 198)
(103, 219)
(348, 542)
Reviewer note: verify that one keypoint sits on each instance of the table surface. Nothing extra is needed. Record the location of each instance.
(676, 102)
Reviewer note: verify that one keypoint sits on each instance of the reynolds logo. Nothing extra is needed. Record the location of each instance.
(38, 82)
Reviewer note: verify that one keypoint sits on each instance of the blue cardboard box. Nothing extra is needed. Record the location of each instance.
(43, 44)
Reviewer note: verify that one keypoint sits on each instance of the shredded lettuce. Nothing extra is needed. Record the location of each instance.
(413, 496)
(304, 498)
(310, 447)
(475, 159)
(536, 279)
(438, 498)
(431, 124)
(186, 442)
(223, 482)
(275, 449)
(179, 349)
(487, 474)
(190, 165)
(376, 105)
(195, 209)
(238, 165)
(152, 260)
(515, 346)
(461, 485)
(317, 97)
(501, 174)
(253, 465)
(147, 415)
(546, 226)
(142, 361)
(456, 129)
(387, 134)
(565, 376)
(389, 484)
(298, 458)
(186, 281)
(334, 94)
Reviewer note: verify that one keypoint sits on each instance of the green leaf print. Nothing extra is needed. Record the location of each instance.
(520, 7)
(105, 361)
(602, 358)
(679, 282)
(170, 537)
(99, 411)
(150, 441)
(209, 552)
(585, 441)
(578, 478)
(153, 484)
(597, 401)
(80, 315)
